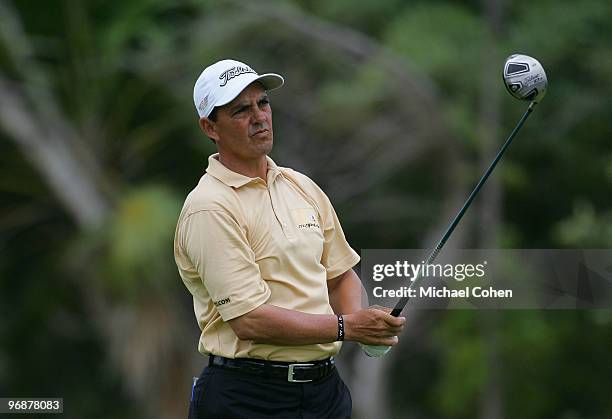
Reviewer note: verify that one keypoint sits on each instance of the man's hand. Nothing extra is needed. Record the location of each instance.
(373, 326)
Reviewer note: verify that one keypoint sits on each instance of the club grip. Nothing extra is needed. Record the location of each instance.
(397, 310)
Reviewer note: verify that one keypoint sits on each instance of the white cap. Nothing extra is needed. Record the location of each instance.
(222, 81)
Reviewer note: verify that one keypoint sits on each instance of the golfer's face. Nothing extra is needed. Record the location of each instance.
(244, 125)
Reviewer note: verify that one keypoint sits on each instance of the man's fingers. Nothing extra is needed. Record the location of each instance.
(396, 330)
(380, 340)
(386, 335)
(393, 324)
(375, 326)
(389, 331)
(395, 321)
(390, 341)
(381, 308)
(388, 318)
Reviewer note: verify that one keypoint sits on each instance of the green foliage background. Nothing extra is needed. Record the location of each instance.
(119, 75)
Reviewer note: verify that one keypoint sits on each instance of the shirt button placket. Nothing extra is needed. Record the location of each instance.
(277, 210)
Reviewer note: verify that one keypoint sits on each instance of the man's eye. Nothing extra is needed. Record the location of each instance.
(264, 101)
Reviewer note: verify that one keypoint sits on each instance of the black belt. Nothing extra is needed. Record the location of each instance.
(303, 372)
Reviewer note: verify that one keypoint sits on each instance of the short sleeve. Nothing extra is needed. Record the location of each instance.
(218, 248)
(338, 256)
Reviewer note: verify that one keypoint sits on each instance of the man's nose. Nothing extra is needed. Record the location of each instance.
(259, 115)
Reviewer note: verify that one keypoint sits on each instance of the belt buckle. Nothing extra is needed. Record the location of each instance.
(290, 373)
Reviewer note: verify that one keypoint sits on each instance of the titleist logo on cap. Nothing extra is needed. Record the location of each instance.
(230, 73)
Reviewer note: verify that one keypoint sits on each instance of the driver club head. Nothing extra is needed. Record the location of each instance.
(524, 77)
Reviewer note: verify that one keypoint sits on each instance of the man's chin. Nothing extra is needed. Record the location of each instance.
(267, 147)
(264, 145)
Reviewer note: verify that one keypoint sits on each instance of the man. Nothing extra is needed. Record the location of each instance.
(261, 250)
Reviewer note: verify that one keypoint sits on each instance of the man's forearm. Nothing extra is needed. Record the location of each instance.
(345, 293)
(280, 326)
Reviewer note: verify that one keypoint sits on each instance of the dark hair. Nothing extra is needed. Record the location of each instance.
(213, 115)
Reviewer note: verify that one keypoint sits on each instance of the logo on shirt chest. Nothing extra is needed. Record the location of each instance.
(305, 218)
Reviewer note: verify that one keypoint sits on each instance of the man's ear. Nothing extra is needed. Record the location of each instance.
(209, 128)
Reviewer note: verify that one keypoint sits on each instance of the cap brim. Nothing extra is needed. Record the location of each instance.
(270, 81)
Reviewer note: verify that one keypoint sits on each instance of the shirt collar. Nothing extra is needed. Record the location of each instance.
(236, 180)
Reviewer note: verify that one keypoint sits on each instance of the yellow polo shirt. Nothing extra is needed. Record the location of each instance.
(240, 243)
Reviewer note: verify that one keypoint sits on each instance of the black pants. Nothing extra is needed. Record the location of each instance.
(221, 393)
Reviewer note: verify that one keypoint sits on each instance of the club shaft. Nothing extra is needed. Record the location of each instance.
(404, 300)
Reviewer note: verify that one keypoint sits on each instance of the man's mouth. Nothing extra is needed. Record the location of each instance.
(261, 131)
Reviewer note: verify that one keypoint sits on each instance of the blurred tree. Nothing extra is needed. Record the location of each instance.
(61, 128)
(99, 146)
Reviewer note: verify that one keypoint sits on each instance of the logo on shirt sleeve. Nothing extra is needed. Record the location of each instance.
(221, 302)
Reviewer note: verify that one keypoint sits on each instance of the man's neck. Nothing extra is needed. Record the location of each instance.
(249, 168)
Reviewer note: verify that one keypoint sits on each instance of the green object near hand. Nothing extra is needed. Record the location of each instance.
(375, 351)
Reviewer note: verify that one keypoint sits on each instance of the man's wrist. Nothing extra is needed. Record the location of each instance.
(341, 332)
(347, 318)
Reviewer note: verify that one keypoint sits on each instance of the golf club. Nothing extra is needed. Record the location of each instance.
(525, 79)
